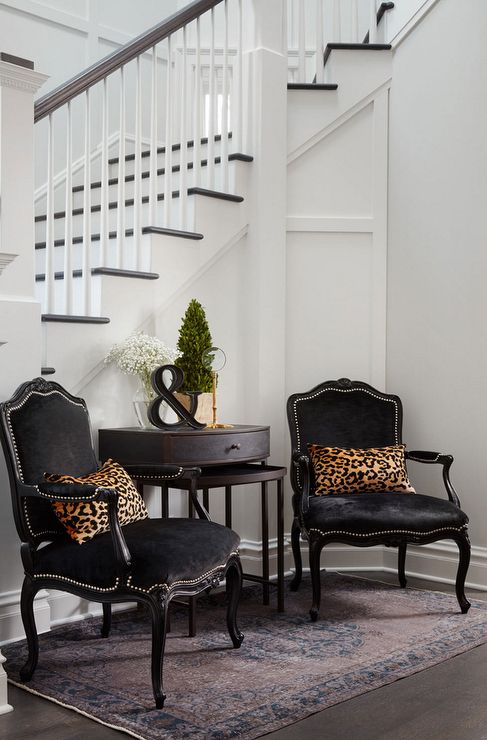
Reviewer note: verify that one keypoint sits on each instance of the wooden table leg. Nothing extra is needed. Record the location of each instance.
(265, 543)
(164, 500)
(228, 506)
(206, 500)
(280, 547)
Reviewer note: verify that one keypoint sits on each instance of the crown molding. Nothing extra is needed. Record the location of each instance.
(20, 78)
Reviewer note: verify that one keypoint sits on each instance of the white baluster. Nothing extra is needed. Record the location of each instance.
(168, 137)
(320, 71)
(237, 115)
(121, 177)
(372, 22)
(104, 179)
(211, 107)
(337, 22)
(197, 109)
(354, 21)
(183, 154)
(86, 249)
(49, 264)
(153, 141)
(68, 219)
(224, 126)
(137, 165)
(301, 43)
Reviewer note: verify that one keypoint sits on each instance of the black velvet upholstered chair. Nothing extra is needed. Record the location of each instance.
(45, 429)
(357, 419)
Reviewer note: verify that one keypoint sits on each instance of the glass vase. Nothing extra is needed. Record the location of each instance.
(141, 406)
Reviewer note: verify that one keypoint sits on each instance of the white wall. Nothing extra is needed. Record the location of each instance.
(436, 345)
(63, 37)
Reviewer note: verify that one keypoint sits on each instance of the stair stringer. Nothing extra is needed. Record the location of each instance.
(312, 113)
(337, 230)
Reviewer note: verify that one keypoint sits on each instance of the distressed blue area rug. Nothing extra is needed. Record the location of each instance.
(370, 634)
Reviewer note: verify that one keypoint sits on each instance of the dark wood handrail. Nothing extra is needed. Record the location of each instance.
(383, 8)
(98, 71)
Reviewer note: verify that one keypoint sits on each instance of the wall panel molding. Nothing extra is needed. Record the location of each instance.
(325, 224)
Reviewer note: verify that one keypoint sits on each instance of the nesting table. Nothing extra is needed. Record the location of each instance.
(228, 458)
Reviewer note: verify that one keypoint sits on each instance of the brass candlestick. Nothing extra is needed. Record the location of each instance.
(215, 359)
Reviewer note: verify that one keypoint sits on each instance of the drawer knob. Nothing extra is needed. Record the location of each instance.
(235, 446)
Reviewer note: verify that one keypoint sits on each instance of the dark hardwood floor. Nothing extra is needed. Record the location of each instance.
(446, 702)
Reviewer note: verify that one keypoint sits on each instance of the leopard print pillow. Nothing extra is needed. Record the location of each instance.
(373, 470)
(84, 519)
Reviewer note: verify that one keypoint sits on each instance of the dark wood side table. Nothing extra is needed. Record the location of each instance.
(226, 457)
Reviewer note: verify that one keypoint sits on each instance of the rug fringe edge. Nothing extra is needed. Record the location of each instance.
(78, 711)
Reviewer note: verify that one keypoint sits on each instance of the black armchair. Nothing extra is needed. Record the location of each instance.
(353, 416)
(45, 429)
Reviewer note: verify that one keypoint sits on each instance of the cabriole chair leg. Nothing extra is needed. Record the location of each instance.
(27, 612)
(464, 549)
(401, 564)
(158, 609)
(107, 620)
(298, 565)
(314, 565)
(234, 587)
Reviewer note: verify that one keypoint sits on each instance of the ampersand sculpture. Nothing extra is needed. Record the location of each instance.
(165, 393)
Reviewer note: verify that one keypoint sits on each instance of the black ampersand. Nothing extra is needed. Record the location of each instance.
(166, 393)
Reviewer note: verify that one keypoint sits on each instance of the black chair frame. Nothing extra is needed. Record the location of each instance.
(302, 480)
(156, 599)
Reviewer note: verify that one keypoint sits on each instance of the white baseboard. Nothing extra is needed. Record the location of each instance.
(438, 562)
(11, 627)
(4, 705)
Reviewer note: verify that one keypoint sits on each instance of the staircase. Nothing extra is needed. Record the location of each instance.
(142, 216)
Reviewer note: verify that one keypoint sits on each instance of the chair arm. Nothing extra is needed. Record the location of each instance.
(155, 474)
(430, 458)
(79, 492)
(302, 482)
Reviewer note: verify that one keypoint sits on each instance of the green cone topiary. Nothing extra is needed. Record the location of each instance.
(194, 340)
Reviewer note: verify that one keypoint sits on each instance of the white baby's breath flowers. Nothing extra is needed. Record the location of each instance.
(139, 355)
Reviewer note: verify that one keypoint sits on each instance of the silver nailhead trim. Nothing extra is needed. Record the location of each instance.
(159, 477)
(29, 526)
(390, 531)
(345, 390)
(19, 406)
(79, 583)
(191, 582)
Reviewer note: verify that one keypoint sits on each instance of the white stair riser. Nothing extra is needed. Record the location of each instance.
(113, 169)
(127, 261)
(230, 186)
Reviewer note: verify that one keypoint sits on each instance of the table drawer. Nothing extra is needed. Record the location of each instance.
(218, 449)
(198, 447)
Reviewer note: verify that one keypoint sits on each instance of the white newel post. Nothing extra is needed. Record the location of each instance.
(265, 109)
(20, 320)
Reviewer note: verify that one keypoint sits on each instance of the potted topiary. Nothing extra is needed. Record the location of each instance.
(194, 340)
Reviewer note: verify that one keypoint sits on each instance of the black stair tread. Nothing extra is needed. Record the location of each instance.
(215, 194)
(174, 148)
(111, 271)
(234, 157)
(130, 202)
(311, 86)
(172, 232)
(68, 319)
(48, 370)
(353, 47)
